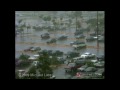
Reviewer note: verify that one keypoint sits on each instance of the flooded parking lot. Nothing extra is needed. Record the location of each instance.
(32, 37)
(35, 39)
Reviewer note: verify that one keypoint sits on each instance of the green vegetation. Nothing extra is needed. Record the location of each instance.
(93, 22)
(44, 66)
(24, 57)
(90, 64)
(78, 24)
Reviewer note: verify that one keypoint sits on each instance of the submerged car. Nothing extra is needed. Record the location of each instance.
(80, 45)
(69, 67)
(63, 37)
(78, 32)
(99, 72)
(101, 39)
(87, 55)
(99, 64)
(61, 59)
(80, 36)
(72, 54)
(82, 68)
(29, 49)
(90, 69)
(90, 38)
(100, 57)
(51, 41)
(93, 34)
(35, 49)
(57, 53)
(75, 43)
(45, 36)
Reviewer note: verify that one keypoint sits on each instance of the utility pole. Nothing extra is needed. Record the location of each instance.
(76, 20)
(97, 33)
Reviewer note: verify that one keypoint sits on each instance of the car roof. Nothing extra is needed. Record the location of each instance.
(87, 53)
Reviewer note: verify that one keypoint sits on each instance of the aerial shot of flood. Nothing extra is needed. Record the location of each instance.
(59, 44)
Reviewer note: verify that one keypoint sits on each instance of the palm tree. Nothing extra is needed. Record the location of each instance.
(31, 73)
(44, 67)
(28, 27)
(97, 33)
(70, 21)
(55, 25)
(22, 28)
(77, 14)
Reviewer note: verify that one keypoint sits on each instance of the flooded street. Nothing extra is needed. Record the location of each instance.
(33, 38)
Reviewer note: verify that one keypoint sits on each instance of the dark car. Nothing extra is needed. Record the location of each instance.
(29, 49)
(57, 53)
(35, 49)
(62, 37)
(78, 32)
(80, 45)
(72, 54)
(76, 43)
(51, 41)
(37, 28)
(49, 52)
(100, 57)
(45, 36)
(101, 39)
(80, 62)
(80, 36)
(90, 39)
(93, 34)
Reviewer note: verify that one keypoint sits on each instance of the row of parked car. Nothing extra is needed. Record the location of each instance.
(32, 49)
(80, 63)
(47, 35)
(82, 67)
(92, 37)
(78, 44)
(68, 54)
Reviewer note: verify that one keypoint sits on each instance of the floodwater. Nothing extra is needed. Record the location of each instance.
(33, 39)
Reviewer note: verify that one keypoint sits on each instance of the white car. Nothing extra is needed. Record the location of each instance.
(32, 58)
(82, 68)
(87, 55)
(35, 63)
(36, 56)
(77, 58)
(95, 37)
(94, 61)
